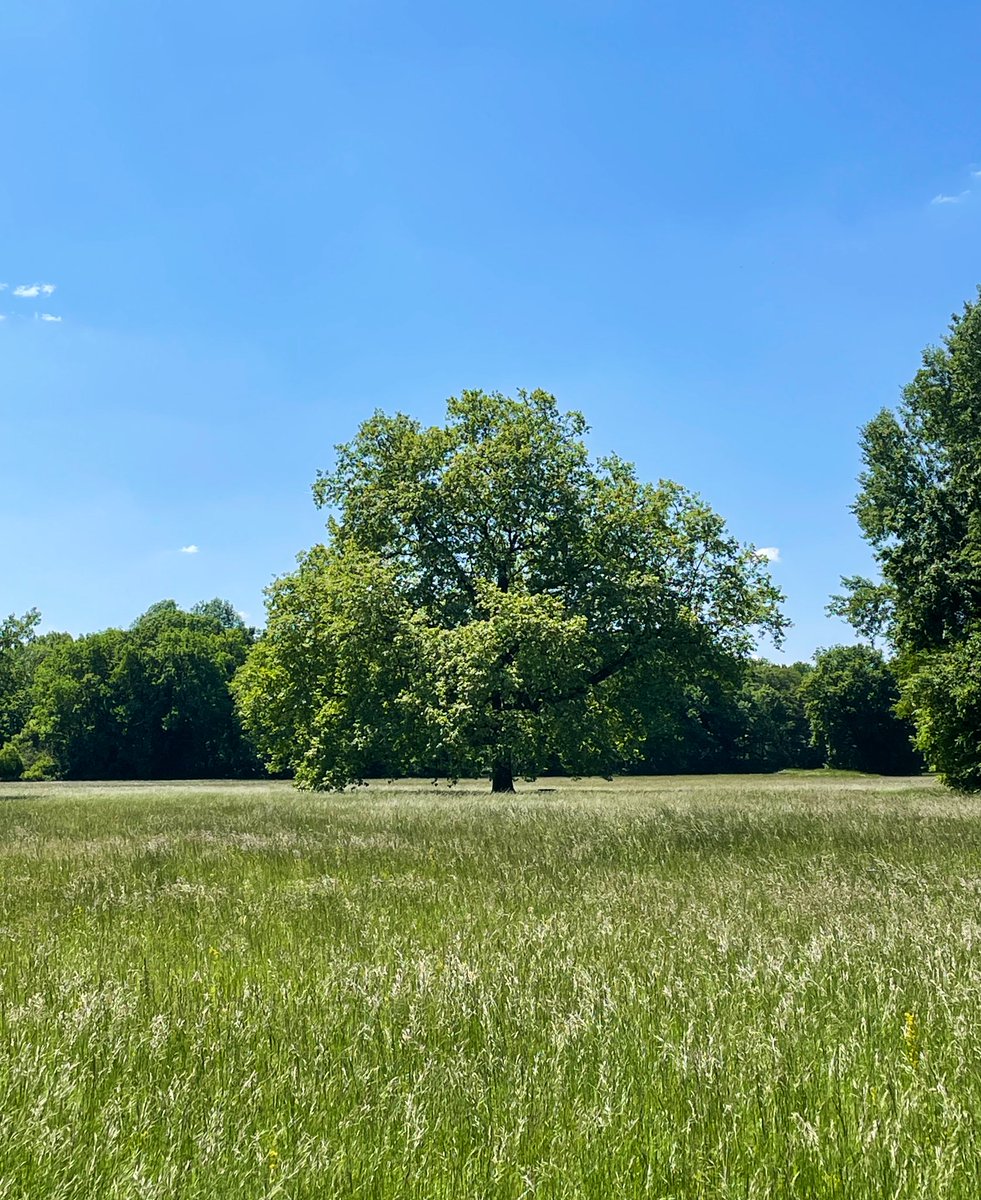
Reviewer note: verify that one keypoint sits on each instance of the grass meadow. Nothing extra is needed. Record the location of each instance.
(752, 987)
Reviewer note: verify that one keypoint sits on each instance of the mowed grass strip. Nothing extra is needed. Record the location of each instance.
(682, 987)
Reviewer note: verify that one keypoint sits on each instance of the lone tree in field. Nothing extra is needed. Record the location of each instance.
(489, 601)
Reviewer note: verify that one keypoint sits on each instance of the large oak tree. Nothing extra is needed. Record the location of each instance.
(491, 601)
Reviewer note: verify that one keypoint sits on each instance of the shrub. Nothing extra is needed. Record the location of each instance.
(43, 767)
(11, 763)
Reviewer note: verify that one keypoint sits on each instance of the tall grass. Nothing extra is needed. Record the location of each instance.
(659, 988)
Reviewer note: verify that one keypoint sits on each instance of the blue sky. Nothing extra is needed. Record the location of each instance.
(724, 232)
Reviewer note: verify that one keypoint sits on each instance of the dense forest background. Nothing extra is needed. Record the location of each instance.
(154, 702)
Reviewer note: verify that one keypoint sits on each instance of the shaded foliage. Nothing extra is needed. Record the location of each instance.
(16, 637)
(777, 733)
(150, 702)
(920, 508)
(748, 718)
(943, 694)
(850, 699)
(11, 763)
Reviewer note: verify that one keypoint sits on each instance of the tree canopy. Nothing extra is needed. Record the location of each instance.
(866, 605)
(491, 601)
(920, 508)
(775, 732)
(850, 699)
(16, 636)
(151, 701)
(920, 499)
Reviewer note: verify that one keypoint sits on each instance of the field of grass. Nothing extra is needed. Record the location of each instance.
(756, 987)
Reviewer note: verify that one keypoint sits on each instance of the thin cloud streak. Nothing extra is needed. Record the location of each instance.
(31, 291)
(192, 549)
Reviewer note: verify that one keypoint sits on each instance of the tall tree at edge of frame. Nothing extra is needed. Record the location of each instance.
(920, 508)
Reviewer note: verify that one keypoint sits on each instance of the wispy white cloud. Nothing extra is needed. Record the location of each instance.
(4, 286)
(30, 291)
(192, 549)
(958, 199)
(49, 317)
(770, 553)
(3, 316)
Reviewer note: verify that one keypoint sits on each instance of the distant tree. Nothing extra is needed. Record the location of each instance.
(920, 508)
(16, 636)
(492, 602)
(11, 763)
(74, 716)
(777, 732)
(744, 716)
(149, 702)
(850, 700)
(222, 612)
(174, 686)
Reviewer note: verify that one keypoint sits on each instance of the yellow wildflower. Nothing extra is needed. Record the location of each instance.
(911, 1037)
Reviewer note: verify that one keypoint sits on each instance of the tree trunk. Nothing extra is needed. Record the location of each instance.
(502, 778)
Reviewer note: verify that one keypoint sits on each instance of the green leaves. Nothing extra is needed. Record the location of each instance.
(920, 503)
(490, 599)
(850, 699)
(943, 694)
(867, 606)
(501, 681)
(148, 702)
(16, 636)
(920, 508)
(328, 691)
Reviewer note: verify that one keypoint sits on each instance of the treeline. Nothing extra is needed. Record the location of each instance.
(148, 702)
(154, 702)
(838, 712)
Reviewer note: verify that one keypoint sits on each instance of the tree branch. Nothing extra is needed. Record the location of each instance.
(464, 580)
